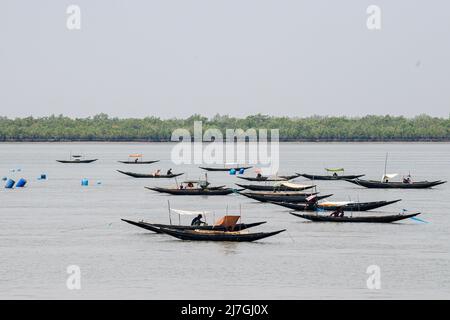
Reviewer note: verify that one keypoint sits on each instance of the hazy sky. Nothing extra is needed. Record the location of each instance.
(178, 57)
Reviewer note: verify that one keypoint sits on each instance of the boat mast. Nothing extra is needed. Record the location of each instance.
(385, 165)
(168, 206)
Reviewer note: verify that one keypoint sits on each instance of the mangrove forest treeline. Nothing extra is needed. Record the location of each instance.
(101, 127)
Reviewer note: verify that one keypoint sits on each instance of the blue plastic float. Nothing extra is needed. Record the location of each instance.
(10, 184)
(21, 183)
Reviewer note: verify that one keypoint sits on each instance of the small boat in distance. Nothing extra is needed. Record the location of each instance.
(333, 176)
(137, 159)
(150, 175)
(226, 168)
(366, 219)
(270, 179)
(76, 159)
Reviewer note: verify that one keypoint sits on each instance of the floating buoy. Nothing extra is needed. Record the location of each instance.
(84, 182)
(241, 171)
(99, 182)
(21, 183)
(4, 178)
(43, 177)
(232, 172)
(10, 184)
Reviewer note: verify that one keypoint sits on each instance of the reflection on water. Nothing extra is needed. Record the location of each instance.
(54, 223)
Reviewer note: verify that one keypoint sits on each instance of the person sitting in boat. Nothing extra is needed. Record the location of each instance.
(335, 174)
(157, 172)
(136, 160)
(197, 221)
(407, 179)
(338, 213)
(169, 172)
(190, 185)
(259, 175)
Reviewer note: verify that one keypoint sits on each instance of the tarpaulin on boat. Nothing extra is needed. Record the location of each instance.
(188, 213)
(335, 203)
(389, 176)
(228, 221)
(334, 169)
(135, 155)
(292, 185)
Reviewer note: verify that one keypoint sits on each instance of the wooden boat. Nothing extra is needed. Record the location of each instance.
(77, 160)
(212, 235)
(138, 162)
(224, 169)
(367, 219)
(153, 176)
(385, 182)
(329, 177)
(155, 227)
(137, 159)
(270, 179)
(208, 191)
(282, 196)
(396, 184)
(277, 187)
(330, 206)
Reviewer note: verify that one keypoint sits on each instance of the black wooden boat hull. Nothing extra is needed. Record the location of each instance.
(194, 192)
(138, 162)
(224, 169)
(257, 187)
(267, 179)
(77, 161)
(150, 176)
(358, 206)
(395, 185)
(225, 236)
(295, 198)
(156, 227)
(329, 177)
(373, 219)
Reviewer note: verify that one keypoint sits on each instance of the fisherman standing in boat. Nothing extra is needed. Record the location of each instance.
(197, 221)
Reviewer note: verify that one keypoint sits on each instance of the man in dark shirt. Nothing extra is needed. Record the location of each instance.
(197, 221)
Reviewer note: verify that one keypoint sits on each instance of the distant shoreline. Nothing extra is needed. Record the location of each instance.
(102, 128)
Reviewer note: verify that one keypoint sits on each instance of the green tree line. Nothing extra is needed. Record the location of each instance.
(316, 128)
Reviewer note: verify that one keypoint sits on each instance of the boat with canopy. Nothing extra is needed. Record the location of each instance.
(278, 186)
(221, 224)
(333, 174)
(293, 197)
(395, 184)
(386, 183)
(137, 158)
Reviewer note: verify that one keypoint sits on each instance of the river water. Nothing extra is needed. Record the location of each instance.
(55, 223)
